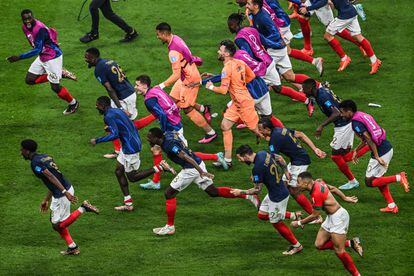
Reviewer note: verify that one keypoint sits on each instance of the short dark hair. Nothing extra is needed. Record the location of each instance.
(26, 11)
(348, 105)
(163, 27)
(244, 150)
(94, 51)
(266, 122)
(29, 145)
(230, 46)
(258, 2)
(311, 83)
(144, 79)
(156, 132)
(305, 175)
(104, 100)
(236, 17)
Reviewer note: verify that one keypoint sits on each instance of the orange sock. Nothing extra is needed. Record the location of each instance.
(228, 141)
(197, 118)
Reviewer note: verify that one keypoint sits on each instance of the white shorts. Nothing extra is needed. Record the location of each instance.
(294, 172)
(286, 34)
(374, 168)
(60, 207)
(272, 75)
(324, 14)
(53, 68)
(180, 134)
(263, 105)
(338, 25)
(131, 162)
(281, 59)
(187, 176)
(276, 210)
(128, 104)
(337, 223)
(343, 137)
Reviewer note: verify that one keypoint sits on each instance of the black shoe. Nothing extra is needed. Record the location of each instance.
(71, 108)
(88, 37)
(129, 37)
(71, 251)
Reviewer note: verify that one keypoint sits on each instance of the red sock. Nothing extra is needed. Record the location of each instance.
(383, 180)
(143, 122)
(326, 245)
(345, 34)
(385, 191)
(263, 216)
(156, 159)
(306, 31)
(299, 55)
(285, 232)
(348, 243)
(336, 46)
(71, 219)
(343, 166)
(170, 207)
(64, 233)
(206, 156)
(348, 263)
(117, 145)
(276, 122)
(225, 192)
(290, 92)
(366, 45)
(303, 201)
(300, 78)
(41, 79)
(348, 157)
(288, 215)
(65, 95)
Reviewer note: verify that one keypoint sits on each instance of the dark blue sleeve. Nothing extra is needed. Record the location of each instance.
(274, 40)
(38, 167)
(213, 79)
(174, 148)
(243, 45)
(358, 127)
(317, 4)
(113, 128)
(153, 107)
(39, 43)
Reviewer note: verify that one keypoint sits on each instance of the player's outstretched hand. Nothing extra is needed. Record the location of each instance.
(70, 197)
(236, 192)
(303, 10)
(12, 59)
(318, 132)
(44, 206)
(166, 167)
(93, 141)
(320, 153)
(382, 162)
(207, 174)
(206, 75)
(295, 224)
(351, 199)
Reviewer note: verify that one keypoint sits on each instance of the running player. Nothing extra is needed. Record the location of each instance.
(347, 19)
(285, 140)
(332, 234)
(184, 67)
(343, 138)
(47, 67)
(193, 170)
(128, 160)
(268, 170)
(248, 39)
(234, 77)
(60, 195)
(374, 136)
(119, 89)
(166, 111)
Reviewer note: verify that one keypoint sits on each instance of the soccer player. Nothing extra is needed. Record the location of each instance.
(105, 7)
(234, 77)
(184, 67)
(343, 138)
(370, 133)
(47, 67)
(119, 89)
(60, 194)
(268, 170)
(166, 111)
(128, 160)
(286, 141)
(248, 39)
(193, 170)
(332, 234)
(347, 19)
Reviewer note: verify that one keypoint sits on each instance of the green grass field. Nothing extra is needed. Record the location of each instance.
(214, 236)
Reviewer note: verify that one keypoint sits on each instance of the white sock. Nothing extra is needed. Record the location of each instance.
(211, 132)
(307, 101)
(314, 61)
(391, 205)
(353, 181)
(398, 177)
(228, 160)
(373, 59)
(72, 245)
(297, 244)
(126, 198)
(81, 209)
(344, 58)
(202, 109)
(73, 101)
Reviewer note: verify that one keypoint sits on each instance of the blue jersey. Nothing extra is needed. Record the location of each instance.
(328, 101)
(154, 108)
(42, 39)
(109, 71)
(360, 128)
(345, 9)
(173, 145)
(283, 140)
(42, 162)
(267, 171)
(120, 126)
(269, 33)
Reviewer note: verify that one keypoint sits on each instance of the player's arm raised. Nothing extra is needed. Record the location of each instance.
(336, 191)
(190, 160)
(59, 185)
(335, 115)
(302, 136)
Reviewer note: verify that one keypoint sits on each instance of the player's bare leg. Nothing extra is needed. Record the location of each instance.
(200, 121)
(123, 184)
(226, 126)
(205, 109)
(154, 183)
(366, 45)
(339, 247)
(336, 46)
